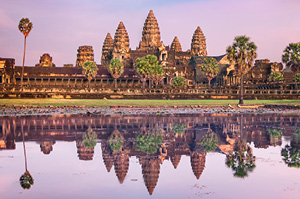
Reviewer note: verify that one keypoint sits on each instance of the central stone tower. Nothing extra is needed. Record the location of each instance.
(150, 34)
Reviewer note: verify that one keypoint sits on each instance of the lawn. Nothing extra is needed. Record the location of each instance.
(117, 102)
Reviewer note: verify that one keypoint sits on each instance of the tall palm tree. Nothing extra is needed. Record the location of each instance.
(89, 69)
(242, 54)
(210, 68)
(291, 56)
(25, 27)
(116, 69)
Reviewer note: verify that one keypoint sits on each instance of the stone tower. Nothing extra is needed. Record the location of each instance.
(107, 48)
(198, 163)
(121, 165)
(45, 61)
(150, 170)
(84, 153)
(121, 42)
(176, 46)
(198, 47)
(84, 53)
(150, 34)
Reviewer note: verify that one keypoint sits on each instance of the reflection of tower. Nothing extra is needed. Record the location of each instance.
(84, 153)
(121, 165)
(7, 138)
(150, 170)
(107, 156)
(175, 160)
(198, 163)
(46, 146)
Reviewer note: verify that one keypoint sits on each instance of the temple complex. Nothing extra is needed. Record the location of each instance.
(45, 79)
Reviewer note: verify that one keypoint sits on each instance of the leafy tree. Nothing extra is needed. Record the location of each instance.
(297, 77)
(274, 132)
(276, 76)
(241, 160)
(149, 142)
(116, 141)
(209, 141)
(291, 56)
(89, 69)
(178, 82)
(210, 68)
(89, 138)
(116, 69)
(179, 128)
(25, 27)
(147, 67)
(26, 180)
(291, 153)
(242, 53)
(156, 74)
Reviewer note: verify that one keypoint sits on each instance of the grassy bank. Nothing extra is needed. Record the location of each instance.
(104, 103)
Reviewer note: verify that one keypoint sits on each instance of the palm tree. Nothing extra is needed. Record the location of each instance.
(291, 56)
(242, 53)
(116, 69)
(210, 68)
(25, 27)
(89, 69)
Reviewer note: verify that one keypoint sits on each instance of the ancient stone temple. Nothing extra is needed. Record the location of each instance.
(176, 46)
(198, 46)
(84, 53)
(150, 34)
(107, 49)
(45, 61)
(121, 43)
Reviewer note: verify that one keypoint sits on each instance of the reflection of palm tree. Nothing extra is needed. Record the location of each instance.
(241, 160)
(274, 136)
(291, 153)
(26, 179)
(116, 140)
(179, 128)
(89, 138)
(149, 142)
(209, 141)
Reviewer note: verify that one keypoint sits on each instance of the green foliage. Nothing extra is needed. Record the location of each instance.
(274, 132)
(276, 76)
(291, 56)
(242, 53)
(115, 141)
(209, 141)
(178, 82)
(241, 160)
(89, 69)
(179, 128)
(26, 180)
(291, 156)
(156, 73)
(297, 77)
(25, 26)
(210, 68)
(149, 142)
(116, 68)
(89, 138)
(296, 135)
(143, 65)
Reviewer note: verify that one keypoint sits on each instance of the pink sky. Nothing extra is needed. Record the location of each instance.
(61, 26)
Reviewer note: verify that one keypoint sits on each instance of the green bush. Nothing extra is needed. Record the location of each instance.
(297, 77)
(179, 128)
(274, 132)
(276, 76)
(178, 82)
(115, 142)
(209, 141)
(89, 138)
(149, 142)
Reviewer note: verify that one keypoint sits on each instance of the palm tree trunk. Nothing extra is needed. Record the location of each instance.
(89, 82)
(24, 148)
(115, 83)
(242, 90)
(22, 74)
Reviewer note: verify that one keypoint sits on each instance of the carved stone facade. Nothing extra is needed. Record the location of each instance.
(176, 46)
(107, 49)
(45, 61)
(121, 43)
(84, 53)
(198, 46)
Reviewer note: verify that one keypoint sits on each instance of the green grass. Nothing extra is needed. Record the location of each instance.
(117, 102)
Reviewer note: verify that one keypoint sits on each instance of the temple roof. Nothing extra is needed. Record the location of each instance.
(198, 46)
(121, 39)
(176, 46)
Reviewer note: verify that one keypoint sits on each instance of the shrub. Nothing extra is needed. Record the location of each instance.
(178, 82)
(276, 76)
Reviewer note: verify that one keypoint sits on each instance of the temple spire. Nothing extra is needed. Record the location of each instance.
(121, 40)
(176, 46)
(198, 46)
(107, 48)
(150, 34)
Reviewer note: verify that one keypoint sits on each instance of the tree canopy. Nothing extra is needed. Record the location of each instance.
(276, 76)
(178, 82)
(149, 142)
(89, 138)
(291, 56)
(25, 26)
(210, 68)
(89, 69)
(116, 68)
(26, 180)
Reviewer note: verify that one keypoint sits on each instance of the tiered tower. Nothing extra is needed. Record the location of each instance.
(150, 170)
(45, 61)
(121, 165)
(198, 47)
(85, 53)
(84, 153)
(176, 46)
(150, 34)
(108, 46)
(121, 42)
(107, 155)
(198, 163)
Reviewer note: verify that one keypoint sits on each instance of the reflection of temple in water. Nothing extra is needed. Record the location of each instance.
(46, 130)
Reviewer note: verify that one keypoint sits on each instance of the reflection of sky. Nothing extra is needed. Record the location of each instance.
(62, 175)
(60, 26)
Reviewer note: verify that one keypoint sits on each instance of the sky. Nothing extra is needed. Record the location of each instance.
(61, 26)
